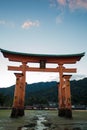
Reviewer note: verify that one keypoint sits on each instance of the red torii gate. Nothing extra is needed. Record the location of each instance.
(64, 95)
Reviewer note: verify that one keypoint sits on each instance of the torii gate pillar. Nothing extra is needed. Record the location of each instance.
(65, 109)
(18, 103)
(67, 96)
(61, 111)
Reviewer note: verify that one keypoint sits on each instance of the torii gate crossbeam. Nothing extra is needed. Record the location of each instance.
(66, 70)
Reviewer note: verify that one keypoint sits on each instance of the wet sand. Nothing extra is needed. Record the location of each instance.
(52, 122)
(43, 120)
(78, 122)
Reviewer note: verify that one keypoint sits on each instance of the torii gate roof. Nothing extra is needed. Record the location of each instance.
(36, 58)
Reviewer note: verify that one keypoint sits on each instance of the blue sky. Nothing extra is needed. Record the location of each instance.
(43, 27)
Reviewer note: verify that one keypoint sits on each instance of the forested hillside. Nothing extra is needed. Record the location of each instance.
(44, 92)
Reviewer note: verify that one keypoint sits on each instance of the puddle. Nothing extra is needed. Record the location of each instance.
(40, 125)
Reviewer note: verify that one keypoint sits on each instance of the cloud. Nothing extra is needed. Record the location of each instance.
(77, 4)
(52, 3)
(78, 76)
(7, 23)
(62, 2)
(63, 5)
(2, 22)
(71, 4)
(59, 18)
(28, 24)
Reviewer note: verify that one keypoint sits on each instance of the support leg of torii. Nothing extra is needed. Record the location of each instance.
(61, 109)
(68, 109)
(18, 103)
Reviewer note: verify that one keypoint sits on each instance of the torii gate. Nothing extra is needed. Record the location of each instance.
(64, 95)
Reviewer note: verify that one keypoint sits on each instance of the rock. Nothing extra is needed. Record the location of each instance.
(19, 128)
(35, 118)
(31, 124)
(47, 123)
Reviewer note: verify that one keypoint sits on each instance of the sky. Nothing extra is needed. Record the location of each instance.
(43, 27)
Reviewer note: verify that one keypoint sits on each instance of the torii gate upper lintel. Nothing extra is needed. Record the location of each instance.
(36, 58)
(42, 59)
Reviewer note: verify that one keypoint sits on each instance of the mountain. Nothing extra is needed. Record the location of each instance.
(44, 92)
(79, 91)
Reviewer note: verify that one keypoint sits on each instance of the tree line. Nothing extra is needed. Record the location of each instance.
(45, 92)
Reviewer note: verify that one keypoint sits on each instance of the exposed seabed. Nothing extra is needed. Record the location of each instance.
(43, 119)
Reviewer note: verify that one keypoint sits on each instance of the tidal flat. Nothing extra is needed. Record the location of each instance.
(43, 120)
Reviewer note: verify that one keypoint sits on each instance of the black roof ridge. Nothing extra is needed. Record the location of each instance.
(32, 54)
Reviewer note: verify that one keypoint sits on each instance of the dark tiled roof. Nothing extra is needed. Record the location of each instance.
(42, 55)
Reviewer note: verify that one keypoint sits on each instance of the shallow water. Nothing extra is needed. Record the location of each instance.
(79, 120)
(40, 125)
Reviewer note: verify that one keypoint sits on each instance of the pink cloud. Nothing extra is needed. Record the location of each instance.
(75, 4)
(62, 2)
(28, 24)
(72, 4)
